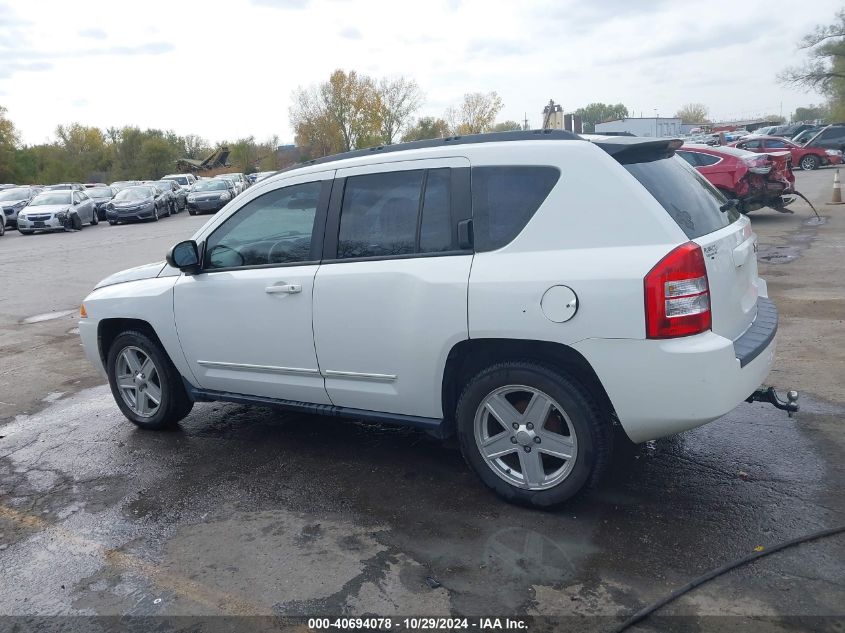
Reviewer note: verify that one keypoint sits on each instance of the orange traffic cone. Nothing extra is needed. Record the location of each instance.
(837, 190)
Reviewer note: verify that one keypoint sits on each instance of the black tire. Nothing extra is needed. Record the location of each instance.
(593, 433)
(94, 218)
(810, 162)
(76, 222)
(175, 403)
(112, 222)
(2, 227)
(155, 213)
(22, 232)
(169, 209)
(192, 211)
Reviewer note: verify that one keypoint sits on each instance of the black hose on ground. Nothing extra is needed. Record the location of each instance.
(647, 611)
(798, 193)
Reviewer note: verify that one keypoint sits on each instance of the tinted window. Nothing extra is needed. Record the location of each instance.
(436, 221)
(275, 228)
(690, 157)
(832, 133)
(504, 199)
(379, 214)
(751, 144)
(778, 144)
(691, 201)
(705, 160)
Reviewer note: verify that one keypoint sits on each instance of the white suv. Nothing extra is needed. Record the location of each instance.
(524, 290)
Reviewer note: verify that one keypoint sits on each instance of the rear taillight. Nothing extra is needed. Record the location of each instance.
(758, 164)
(677, 294)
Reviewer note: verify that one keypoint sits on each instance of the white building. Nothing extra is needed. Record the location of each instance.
(647, 126)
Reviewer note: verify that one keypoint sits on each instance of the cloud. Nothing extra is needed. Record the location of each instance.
(93, 33)
(496, 47)
(7, 70)
(350, 33)
(281, 4)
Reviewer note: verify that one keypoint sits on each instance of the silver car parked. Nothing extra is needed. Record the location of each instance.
(56, 210)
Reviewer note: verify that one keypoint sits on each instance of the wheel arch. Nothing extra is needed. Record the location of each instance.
(109, 329)
(470, 356)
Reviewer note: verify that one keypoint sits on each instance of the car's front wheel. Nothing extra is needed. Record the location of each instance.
(532, 434)
(810, 162)
(144, 382)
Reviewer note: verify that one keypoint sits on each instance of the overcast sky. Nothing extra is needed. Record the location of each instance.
(226, 69)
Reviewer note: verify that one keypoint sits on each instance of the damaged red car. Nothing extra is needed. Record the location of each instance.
(807, 158)
(755, 180)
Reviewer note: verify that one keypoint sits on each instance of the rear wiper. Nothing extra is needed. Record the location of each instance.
(732, 203)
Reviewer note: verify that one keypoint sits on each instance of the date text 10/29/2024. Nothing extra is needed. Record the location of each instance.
(419, 624)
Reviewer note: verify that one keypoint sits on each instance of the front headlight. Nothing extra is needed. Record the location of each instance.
(191, 198)
(61, 216)
(224, 196)
(21, 216)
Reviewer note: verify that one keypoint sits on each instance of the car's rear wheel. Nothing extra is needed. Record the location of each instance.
(810, 162)
(144, 383)
(533, 435)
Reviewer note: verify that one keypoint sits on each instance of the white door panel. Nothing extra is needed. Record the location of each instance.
(241, 338)
(383, 330)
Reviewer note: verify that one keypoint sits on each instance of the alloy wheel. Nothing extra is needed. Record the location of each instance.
(138, 381)
(525, 437)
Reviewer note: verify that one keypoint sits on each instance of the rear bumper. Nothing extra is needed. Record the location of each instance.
(660, 388)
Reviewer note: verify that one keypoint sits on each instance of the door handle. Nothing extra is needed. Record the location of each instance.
(283, 289)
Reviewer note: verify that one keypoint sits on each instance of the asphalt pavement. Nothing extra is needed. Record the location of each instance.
(252, 511)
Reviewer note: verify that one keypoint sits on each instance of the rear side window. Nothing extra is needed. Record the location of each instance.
(686, 195)
(505, 198)
(396, 213)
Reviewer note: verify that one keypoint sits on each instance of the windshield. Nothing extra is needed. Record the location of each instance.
(210, 185)
(685, 194)
(53, 197)
(18, 193)
(132, 194)
(182, 180)
(100, 192)
(228, 177)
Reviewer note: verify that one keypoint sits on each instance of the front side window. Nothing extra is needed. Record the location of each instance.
(505, 198)
(275, 228)
(751, 145)
(776, 144)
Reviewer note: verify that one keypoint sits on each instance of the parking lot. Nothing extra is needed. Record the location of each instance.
(248, 510)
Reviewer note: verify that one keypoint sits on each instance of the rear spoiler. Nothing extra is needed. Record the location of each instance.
(634, 149)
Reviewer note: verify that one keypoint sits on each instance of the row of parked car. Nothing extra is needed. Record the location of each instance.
(32, 208)
(811, 146)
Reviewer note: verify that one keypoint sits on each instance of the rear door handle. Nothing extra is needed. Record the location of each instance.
(283, 289)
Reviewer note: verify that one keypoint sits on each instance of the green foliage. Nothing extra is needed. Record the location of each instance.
(694, 113)
(507, 126)
(811, 113)
(426, 128)
(600, 112)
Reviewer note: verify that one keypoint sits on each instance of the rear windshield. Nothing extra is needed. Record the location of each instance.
(685, 194)
(182, 180)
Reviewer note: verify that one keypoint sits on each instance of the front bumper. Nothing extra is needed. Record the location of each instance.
(88, 334)
(49, 224)
(207, 205)
(663, 387)
(117, 215)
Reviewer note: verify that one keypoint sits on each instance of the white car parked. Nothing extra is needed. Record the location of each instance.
(524, 290)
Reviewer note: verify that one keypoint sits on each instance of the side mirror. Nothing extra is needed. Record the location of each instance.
(185, 256)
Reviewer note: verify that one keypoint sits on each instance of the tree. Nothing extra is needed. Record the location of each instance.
(425, 128)
(693, 113)
(600, 112)
(9, 141)
(824, 70)
(507, 126)
(156, 157)
(85, 151)
(195, 147)
(396, 101)
(476, 113)
(811, 113)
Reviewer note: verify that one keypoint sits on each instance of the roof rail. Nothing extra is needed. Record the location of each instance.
(468, 139)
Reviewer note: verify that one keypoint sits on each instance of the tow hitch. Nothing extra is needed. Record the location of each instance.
(768, 394)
